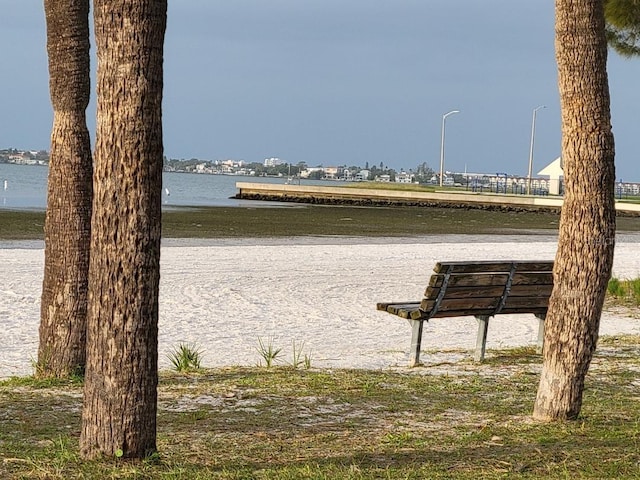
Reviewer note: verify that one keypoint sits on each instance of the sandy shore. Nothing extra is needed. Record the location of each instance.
(320, 292)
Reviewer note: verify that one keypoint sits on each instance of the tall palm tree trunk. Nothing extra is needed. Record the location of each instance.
(68, 219)
(587, 223)
(120, 399)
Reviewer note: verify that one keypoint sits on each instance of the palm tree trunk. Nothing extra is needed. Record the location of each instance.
(119, 413)
(68, 220)
(587, 223)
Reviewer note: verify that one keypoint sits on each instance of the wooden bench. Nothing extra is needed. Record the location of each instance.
(481, 289)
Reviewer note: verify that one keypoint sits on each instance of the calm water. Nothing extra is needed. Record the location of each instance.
(25, 186)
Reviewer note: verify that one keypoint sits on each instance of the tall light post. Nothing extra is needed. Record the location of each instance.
(444, 117)
(533, 134)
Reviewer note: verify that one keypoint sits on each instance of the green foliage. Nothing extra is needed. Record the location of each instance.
(625, 290)
(268, 352)
(623, 26)
(614, 287)
(300, 359)
(186, 358)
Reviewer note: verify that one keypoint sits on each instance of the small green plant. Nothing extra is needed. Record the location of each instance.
(307, 361)
(300, 359)
(268, 352)
(186, 357)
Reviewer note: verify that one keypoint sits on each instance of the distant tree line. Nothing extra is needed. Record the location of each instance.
(422, 173)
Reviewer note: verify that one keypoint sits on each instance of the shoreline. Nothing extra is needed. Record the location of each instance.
(533, 236)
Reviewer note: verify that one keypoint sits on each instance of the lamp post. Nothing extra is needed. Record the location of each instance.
(533, 133)
(444, 117)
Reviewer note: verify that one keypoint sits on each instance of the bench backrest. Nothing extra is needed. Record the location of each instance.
(488, 288)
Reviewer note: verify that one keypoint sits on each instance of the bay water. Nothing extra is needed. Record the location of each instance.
(25, 187)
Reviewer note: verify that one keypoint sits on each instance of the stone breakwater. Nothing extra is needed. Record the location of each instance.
(372, 198)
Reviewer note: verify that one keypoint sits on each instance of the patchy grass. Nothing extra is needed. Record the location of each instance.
(471, 421)
(626, 292)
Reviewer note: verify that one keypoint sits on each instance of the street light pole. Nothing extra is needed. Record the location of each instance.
(444, 117)
(533, 133)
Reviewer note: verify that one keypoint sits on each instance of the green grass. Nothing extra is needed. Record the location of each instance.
(625, 291)
(474, 421)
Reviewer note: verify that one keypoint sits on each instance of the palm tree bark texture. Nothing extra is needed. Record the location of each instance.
(67, 228)
(120, 392)
(587, 222)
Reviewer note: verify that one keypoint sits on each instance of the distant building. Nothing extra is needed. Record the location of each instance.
(333, 173)
(272, 162)
(555, 173)
(362, 175)
(404, 177)
(306, 173)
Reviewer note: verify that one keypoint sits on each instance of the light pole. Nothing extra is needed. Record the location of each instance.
(533, 133)
(444, 117)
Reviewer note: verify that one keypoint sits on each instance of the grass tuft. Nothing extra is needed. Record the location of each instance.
(268, 352)
(186, 358)
(300, 359)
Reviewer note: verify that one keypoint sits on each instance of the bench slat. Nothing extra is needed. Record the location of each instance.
(490, 291)
(407, 310)
(491, 266)
(522, 304)
(479, 312)
(412, 311)
(493, 279)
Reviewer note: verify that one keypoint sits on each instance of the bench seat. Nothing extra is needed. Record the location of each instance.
(479, 289)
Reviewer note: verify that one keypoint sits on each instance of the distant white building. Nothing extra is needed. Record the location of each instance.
(309, 170)
(333, 173)
(404, 177)
(362, 175)
(272, 162)
(555, 173)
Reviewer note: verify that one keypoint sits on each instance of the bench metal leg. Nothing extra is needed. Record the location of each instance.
(481, 341)
(416, 341)
(541, 318)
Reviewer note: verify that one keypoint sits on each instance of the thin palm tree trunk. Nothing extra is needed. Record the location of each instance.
(61, 350)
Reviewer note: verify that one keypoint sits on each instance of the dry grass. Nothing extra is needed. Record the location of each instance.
(459, 420)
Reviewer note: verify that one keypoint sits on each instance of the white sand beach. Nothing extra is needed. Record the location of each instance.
(320, 292)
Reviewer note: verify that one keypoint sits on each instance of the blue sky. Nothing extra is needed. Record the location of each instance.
(337, 82)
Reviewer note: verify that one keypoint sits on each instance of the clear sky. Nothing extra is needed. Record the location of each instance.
(336, 82)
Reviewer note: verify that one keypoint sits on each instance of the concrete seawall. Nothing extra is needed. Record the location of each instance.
(373, 197)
